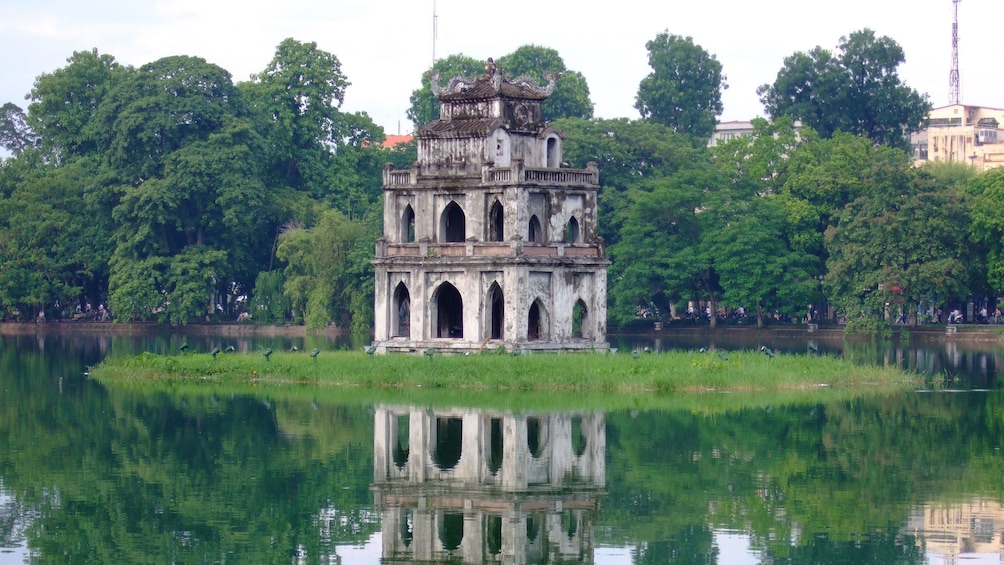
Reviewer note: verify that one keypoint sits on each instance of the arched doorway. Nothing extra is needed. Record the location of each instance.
(580, 321)
(401, 313)
(449, 309)
(496, 223)
(496, 312)
(536, 329)
(452, 227)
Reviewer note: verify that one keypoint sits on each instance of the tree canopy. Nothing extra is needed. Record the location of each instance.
(684, 89)
(856, 90)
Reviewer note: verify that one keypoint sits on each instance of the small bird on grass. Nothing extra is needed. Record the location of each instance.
(215, 352)
(315, 353)
(230, 349)
(370, 349)
(268, 354)
(183, 347)
(723, 355)
(813, 348)
(293, 348)
(767, 351)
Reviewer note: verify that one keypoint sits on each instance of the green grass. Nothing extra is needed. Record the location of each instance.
(442, 375)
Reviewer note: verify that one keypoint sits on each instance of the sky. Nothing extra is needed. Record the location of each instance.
(384, 46)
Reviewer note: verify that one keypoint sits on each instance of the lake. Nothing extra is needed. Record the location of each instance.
(201, 474)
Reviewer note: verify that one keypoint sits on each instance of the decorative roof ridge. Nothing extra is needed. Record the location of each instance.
(493, 83)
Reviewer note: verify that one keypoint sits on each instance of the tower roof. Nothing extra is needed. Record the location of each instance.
(492, 84)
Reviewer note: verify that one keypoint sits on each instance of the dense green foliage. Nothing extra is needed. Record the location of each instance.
(164, 191)
(856, 91)
(684, 89)
(172, 194)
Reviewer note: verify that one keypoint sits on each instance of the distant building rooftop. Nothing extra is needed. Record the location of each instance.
(394, 140)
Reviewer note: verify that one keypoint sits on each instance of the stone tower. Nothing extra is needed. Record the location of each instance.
(489, 239)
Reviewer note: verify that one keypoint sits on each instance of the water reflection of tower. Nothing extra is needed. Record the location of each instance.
(476, 486)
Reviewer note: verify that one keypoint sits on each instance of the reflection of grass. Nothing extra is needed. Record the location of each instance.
(640, 379)
(510, 401)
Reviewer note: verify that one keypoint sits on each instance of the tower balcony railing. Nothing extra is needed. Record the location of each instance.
(426, 249)
(516, 174)
(519, 174)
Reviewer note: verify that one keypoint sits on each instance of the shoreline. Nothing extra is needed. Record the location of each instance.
(234, 329)
(929, 333)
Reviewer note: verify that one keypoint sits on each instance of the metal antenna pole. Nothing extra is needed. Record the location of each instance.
(953, 76)
(436, 29)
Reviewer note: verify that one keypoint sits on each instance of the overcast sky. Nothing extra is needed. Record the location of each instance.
(385, 46)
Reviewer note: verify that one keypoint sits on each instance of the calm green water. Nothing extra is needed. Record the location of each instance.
(95, 474)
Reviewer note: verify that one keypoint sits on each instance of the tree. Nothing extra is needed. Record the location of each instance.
(15, 133)
(684, 89)
(762, 245)
(630, 153)
(760, 160)
(53, 249)
(570, 98)
(324, 273)
(899, 244)
(295, 100)
(988, 222)
(190, 198)
(856, 91)
(64, 103)
(756, 265)
(657, 257)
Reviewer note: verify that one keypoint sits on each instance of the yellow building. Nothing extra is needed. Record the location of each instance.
(963, 134)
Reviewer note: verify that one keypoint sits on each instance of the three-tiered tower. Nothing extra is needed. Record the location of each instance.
(489, 239)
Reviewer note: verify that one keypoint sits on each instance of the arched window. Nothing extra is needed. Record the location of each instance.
(451, 225)
(535, 233)
(495, 223)
(572, 231)
(536, 322)
(553, 153)
(401, 323)
(449, 309)
(408, 225)
(496, 311)
(580, 321)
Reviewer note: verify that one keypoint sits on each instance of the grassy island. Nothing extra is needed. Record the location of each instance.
(746, 371)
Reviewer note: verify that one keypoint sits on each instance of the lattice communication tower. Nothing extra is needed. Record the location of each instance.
(953, 75)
